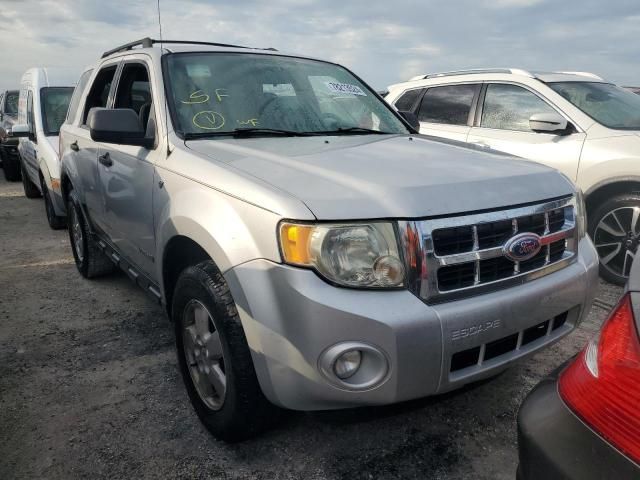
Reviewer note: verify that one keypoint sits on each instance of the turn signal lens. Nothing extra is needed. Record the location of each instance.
(295, 243)
(602, 386)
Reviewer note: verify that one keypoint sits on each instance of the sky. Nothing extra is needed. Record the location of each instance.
(383, 42)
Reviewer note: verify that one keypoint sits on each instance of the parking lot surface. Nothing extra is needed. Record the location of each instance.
(89, 387)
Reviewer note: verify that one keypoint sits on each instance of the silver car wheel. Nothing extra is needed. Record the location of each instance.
(204, 356)
(76, 234)
(616, 238)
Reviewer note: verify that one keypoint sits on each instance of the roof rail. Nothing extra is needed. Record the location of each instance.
(513, 71)
(584, 74)
(149, 42)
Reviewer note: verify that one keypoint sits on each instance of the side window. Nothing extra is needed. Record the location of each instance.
(407, 100)
(450, 105)
(77, 95)
(508, 107)
(99, 94)
(134, 91)
(30, 118)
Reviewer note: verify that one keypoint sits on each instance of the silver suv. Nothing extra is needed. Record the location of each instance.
(312, 251)
(584, 126)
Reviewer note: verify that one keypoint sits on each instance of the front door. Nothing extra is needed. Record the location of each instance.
(127, 176)
(504, 126)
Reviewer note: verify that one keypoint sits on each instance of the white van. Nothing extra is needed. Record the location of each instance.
(44, 99)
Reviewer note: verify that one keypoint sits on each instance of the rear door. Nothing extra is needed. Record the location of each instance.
(126, 173)
(502, 123)
(29, 146)
(447, 111)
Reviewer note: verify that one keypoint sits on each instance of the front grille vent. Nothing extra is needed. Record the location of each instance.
(463, 255)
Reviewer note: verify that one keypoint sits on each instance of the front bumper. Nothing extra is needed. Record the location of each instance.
(291, 317)
(554, 443)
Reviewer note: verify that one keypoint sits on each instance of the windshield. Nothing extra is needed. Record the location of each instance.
(55, 103)
(217, 93)
(11, 107)
(608, 104)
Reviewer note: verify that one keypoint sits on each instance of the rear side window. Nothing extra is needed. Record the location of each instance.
(508, 107)
(77, 95)
(407, 100)
(99, 94)
(450, 104)
(54, 102)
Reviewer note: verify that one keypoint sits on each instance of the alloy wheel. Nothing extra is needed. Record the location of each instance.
(616, 237)
(76, 234)
(203, 354)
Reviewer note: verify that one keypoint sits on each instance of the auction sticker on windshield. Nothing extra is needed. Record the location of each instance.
(345, 88)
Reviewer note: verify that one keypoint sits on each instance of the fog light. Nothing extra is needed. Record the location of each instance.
(347, 364)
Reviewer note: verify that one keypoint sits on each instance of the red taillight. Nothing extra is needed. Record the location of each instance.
(602, 386)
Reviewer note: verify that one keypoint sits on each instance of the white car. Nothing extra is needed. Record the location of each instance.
(584, 126)
(42, 107)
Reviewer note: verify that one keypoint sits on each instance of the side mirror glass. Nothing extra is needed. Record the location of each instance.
(411, 119)
(548, 123)
(118, 125)
(19, 130)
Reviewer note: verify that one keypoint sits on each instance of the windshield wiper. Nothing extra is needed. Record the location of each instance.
(354, 130)
(248, 132)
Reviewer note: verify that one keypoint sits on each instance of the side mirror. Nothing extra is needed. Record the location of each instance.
(411, 119)
(548, 123)
(19, 130)
(118, 125)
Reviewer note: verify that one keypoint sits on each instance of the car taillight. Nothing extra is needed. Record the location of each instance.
(602, 386)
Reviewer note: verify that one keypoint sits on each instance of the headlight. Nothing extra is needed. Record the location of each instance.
(580, 214)
(352, 255)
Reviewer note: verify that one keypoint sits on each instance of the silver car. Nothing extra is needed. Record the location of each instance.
(312, 251)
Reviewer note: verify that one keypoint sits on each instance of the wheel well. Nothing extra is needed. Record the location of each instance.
(66, 187)
(181, 252)
(605, 192)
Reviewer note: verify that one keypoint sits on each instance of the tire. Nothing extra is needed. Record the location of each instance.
(11, 166)
(56, 222)
(241, 410)
(616, 235)
(90, 260)
(30, 188)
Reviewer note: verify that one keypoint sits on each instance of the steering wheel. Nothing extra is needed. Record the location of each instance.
(331, 117)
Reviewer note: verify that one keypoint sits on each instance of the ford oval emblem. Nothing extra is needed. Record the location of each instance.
(522, 247)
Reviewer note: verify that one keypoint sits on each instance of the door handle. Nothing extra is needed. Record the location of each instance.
(480, 144)
(105, 159)
(74, 146)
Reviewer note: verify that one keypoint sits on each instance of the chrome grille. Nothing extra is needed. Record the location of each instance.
(463, 255)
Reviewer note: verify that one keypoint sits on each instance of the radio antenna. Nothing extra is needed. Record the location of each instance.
(166, 113)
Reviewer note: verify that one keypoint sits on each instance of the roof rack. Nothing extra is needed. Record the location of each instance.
(514, 71)
(584, 74)
(149, 42)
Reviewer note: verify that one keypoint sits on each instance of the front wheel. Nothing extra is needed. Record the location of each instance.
(214, 356)
(614, 228)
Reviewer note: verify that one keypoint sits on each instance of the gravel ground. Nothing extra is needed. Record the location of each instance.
(89, 387)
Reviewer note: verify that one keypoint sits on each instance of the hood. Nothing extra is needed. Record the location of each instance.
(400, 176)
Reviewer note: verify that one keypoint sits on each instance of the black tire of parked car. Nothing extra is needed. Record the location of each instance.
(245, 411)
(30, 188)
(11, 166)
(631, 241)
(91, 262)
(56, 222)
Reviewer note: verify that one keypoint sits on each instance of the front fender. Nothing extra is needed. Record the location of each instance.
(230, 230)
